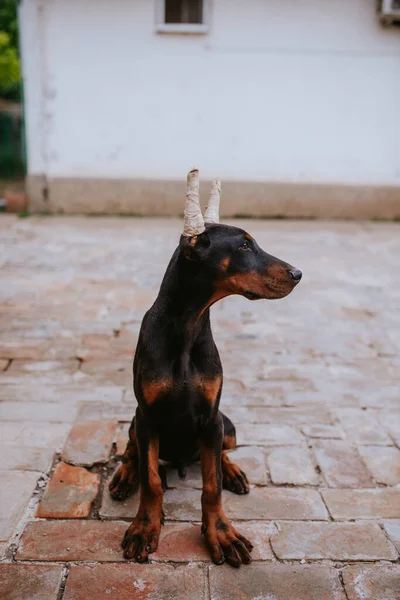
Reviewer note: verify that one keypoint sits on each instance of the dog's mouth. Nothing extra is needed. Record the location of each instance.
(252, 296)
(270, 293)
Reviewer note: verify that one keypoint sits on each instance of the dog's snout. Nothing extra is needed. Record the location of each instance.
(296, 274)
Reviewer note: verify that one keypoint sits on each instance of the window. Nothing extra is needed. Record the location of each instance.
(182, 16)
(184, 11)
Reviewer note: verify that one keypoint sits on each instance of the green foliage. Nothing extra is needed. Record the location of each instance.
(9, 60)
(8, 20)
(9, 63)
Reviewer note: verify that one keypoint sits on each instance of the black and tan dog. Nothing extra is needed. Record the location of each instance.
(178, 378)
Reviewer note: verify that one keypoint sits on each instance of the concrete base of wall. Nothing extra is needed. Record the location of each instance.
(252, 199)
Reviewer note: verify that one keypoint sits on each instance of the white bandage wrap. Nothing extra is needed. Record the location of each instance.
(193, 223)
(212, 213)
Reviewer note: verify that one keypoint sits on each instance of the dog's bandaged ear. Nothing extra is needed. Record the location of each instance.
(193, 222)
(212, 212)
(196, 247)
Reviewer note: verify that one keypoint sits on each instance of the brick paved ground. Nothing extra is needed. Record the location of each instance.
(312, 382)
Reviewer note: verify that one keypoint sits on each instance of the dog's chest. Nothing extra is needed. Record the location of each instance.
(180, 390)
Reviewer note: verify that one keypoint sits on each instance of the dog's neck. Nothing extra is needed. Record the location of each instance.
(184, 300)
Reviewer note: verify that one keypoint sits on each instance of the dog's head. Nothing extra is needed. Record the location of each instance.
(229, 256)
(233, 260)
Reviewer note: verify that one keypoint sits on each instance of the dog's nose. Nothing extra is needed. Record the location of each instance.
(296, 274)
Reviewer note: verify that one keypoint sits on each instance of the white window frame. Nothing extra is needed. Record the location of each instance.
(185, 28)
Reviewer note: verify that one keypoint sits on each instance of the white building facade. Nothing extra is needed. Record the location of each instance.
(294, 104)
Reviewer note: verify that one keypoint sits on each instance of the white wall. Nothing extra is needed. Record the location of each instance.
(285, 90)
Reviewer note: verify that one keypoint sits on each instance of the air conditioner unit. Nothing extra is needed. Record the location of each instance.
(390, 11)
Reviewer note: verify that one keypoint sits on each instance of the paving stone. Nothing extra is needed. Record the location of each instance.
(291, 465)
(192, 480)
(291, 372)
(383, 462)
(323, 431)
(112, 370)
(392, 528)
(275, 582)
(40, 435)
(27, 366)
(16, 488)
(183, 542)
(341, 465)
(391, 422)
(43, 382)
(101, 541)
(100, 356)
(89, 442)
(270, 391)
(128, 581)
(93, 411)
(69, 494)
(64, 350)
(271, 434)
(3, 548)
(75, 393)
(380, 582)
(100, 347)
(3, 364)
(315, 413)
(22, 458)
(97, 340)
(271, 397)
(37, 411)
(30, 582)
(380, 397)
(275, 503)
(333, 396)
(362, 427)
(337, 541)
(382, 503)
(22, 349)
(384, 370)
(251, 460)
(258, 533)
(178, 505)
(260, 504)
(72, 541)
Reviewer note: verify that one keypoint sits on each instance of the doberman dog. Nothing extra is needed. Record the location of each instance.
(178, 378)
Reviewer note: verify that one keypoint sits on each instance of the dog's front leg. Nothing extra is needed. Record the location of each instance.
(141, 539)
(223, 541)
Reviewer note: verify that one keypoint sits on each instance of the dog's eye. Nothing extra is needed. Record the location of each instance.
(245, 246)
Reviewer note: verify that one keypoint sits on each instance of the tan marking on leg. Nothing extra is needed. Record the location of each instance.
(229, 442)
(223, 541)
(233, 478)
(154, 478)
(210, 388)
(141, 538)
(126, 479)
(211, 497)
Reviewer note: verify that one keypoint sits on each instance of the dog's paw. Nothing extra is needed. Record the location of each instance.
(224, 543)
(124, 482)
(234, 479)
(141, 539)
